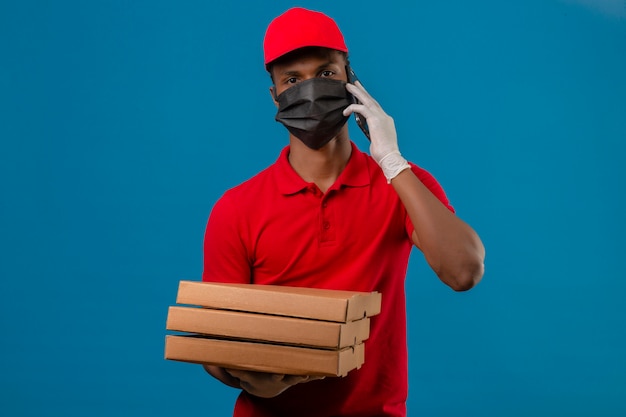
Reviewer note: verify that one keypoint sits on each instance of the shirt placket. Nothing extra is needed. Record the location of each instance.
(327, 223)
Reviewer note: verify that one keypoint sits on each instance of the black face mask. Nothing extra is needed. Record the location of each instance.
(312, 110)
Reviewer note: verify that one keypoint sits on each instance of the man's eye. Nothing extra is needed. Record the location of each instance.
(291, 80)
(327, 73)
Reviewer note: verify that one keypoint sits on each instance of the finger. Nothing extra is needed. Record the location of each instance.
(254, 375)
(298, 379)
(355, 108)
(359, 84)
(357, 92)
(361, 93)
(290, 380)
(233, 372)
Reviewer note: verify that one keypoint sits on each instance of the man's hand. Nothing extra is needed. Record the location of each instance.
(384, 146)
(267, 385)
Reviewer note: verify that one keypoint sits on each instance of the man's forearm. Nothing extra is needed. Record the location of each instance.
(451, 247)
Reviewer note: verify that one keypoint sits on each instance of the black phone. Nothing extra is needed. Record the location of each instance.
(360, 120)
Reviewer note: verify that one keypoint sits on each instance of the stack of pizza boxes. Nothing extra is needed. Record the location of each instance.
(267, 328)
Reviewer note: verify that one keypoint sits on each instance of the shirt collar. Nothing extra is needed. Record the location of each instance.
(355, 174)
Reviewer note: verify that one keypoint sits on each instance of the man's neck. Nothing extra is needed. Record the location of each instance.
(322, 166)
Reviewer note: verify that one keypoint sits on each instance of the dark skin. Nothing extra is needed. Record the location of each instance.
(322, 166)
(221, 374)
(451, 247)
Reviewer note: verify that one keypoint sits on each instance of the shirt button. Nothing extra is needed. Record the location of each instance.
(324, 204)
(326, 225)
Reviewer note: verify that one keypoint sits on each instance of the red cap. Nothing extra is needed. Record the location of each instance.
(298, 28)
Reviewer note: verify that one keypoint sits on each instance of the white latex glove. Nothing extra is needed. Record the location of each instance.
(384, 141)
(268, 385)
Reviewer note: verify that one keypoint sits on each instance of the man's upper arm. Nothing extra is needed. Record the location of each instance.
(226, 257)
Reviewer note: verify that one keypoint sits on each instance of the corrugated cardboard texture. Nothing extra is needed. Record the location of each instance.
(264, 357)
(311, 303)
(276, 329)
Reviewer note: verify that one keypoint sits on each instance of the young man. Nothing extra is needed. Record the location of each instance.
(327, 215)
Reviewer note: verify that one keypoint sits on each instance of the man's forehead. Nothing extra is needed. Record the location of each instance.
(306, 56)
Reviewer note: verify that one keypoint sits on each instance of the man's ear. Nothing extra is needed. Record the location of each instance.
(273, 94)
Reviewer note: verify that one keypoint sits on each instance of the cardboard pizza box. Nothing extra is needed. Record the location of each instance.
(311, 303)
(263, 357)
(267, 328)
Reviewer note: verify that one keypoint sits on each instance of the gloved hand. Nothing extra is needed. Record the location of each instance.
(268, 385)
(384, 141)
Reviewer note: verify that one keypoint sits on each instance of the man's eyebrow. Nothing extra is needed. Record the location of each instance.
(328, 61)
(296, 72)
(293, 72)
(325, 65)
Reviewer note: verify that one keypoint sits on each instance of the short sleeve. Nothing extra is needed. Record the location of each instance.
(226, 258)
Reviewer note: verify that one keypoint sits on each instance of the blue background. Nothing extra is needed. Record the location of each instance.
(122, 122)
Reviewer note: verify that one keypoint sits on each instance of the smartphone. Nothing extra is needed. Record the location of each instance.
(360, 120)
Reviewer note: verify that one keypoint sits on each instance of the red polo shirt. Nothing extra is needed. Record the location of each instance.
(278, 229)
